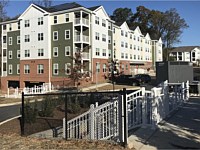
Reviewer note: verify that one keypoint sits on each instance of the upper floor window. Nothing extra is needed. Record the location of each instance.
(4, 39)
(67, 68)
(109, 53)
(9, 54)
(10, 40)
(55, 52)
(10, 27)
(40, 36)
(97, 52)
(130, 36)
(4, 27)
(40, 21)
(126, 45)
(18, 53)
(55, 69)
(130, 46)
(27, 53)
(126, 56)
(67, 51)
(40, 69)
(18, 69)
(122, 55)
(122, 44)
(103, 22)
(96, 35)
(26, 69)
(138, 38)
(18, 25)
(122, 33)
(10, 69)
(126, 34)
(27, 23)
(104, 37)
(134, 37)
(18, 39)
(55, 19)
(131, 57)
(113, 30)
(67, 17)
(67, 34)
(96, 20)
(55, 35)
(109, 39)
(40, 52)
(109, 25)
(27, 38)
(104, 52)
(97, 67)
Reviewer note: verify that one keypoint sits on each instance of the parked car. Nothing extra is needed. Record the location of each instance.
(126, 79)
(143, 78)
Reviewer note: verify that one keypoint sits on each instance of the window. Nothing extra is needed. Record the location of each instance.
(109, 39)
(113, 30)
(40, 52)
(138, 48)
(67, 68)
(122, 67)
(131, 57)
(4, 27)
(96, 35)
(138, 38)
(40, 21)
(55, 35)
(9, 54)
(114, 42)
(55, 69)
(10, 69)
(10, 40)
(4, 52)
(179, 55)
(126, 34)
(134, 56)
(40, 36)
(18, 69)
(130, 46)
(126, 67)
(4, 39)
(193, 56)
(122, 33)
(18, 25)
(122, 44)
(138, 57)
(141, 48)
(134, 37)
(18, 53)
(104, 37)
(67, 51)
(67, 17)
(55, 19)
(40, 69)
(134, 47)
(104, 52)
(18, 39)
(10, 27)
(130, 36)
(97, 52)
(126, 45)
(109, 26)
(26, 69)
(104, 68)
(27, 23)
(103, 22)
(109, 53)
(97, 67)
(55, 52)
(122, 55)
(67, 34)
(114, 54)
(126, 56)
(27, 53)
(96, 20)
(27, 38)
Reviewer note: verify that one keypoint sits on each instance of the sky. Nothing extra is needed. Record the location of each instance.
(189, 10)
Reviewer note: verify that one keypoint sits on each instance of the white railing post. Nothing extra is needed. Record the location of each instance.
(92, 122)
(166, 98)
(144, 108)
(154, 109)
(187, 90)
(182, 92)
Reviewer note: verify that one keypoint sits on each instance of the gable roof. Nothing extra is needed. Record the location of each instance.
(184, 49)
(94, 8)
(60, 7)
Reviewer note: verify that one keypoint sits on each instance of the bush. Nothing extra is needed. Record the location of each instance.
(47, 107)
(30, 113)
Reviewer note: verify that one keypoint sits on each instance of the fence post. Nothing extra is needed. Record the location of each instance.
(166, 98)
(176, 97)
(22, 117)
(92, 122)
(187, 90)
(125, 119)
(154, 109)
(121, 119)
(182, 92)
(65, 121)
(144, 108)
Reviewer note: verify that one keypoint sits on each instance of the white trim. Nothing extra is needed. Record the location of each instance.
(67, 48)
(53, 35)
(55, 49)
(66, 34)
(57, 67)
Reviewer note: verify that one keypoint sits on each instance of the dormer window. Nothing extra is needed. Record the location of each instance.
(27, 23)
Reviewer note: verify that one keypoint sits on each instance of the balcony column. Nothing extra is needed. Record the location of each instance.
(81, 20)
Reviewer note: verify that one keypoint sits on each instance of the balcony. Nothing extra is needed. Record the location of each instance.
(85, 38)
(85, 56)
(84, 21)
(4, 45)
(5, 59)
(4, 73)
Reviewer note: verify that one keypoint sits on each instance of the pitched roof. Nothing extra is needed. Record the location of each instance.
(184, 49)
(118, 23)
(60, 7)
(94, 8)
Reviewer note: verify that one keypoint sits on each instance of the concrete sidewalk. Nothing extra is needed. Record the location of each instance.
(179, 131)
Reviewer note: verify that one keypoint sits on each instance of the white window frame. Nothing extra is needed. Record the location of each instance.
(40, 21)
(96, 20)
(10, 69)
(18, 39)
(26, 69)
(55, 19)
(26, 23)
(104, 52)
(97, 36)
(67, 68)
(18, 68)
(67, 34)
(122, 55)
(67, 50)
(9, 54)
(27, 38)
(103, 37)
(103, 22)
(40, 69)
(97, 52)
(18, 53)
(104, 68)
(40, 36)
(66, 17)
(10, 41)
(109, 39)
(55, 67)
(98, 67)
(55, 49)
(55, 32)
(40, 52)
(27, 53)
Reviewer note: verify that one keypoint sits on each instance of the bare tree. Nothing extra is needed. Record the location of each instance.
(45, 3)
(3, 4)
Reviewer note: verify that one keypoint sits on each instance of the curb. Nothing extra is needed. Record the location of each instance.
(9, 120)
(10, 104)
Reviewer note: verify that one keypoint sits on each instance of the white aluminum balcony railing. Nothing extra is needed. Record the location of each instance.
(4, 45)
(4, 59)
(4, 73)
(85, 56)
(77, 38)
(84, 21)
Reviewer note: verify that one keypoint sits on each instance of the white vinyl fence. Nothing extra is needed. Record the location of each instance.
(144, 108)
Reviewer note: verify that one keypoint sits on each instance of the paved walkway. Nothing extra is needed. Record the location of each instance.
(180, 131)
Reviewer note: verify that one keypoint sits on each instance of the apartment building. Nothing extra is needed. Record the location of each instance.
(38, 46)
